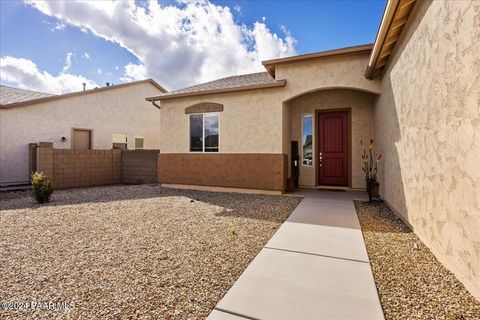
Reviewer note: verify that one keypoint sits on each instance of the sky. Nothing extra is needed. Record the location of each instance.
(55, 46)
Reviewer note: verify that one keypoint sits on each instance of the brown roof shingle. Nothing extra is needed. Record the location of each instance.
(26, 97)
(13, 95)
(235, 82)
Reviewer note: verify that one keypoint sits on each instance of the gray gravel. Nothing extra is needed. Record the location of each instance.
(131, 251)
(412, 284)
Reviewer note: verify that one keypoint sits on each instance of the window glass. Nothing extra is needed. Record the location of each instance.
(204, 132)
(139, 142)
(119, 141)
(211, 132)
(196, 133)
(307, 142)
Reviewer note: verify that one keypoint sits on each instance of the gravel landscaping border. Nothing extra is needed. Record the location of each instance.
(411, 282)
(129, 251)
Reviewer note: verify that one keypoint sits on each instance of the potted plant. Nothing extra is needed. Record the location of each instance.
(370, 167)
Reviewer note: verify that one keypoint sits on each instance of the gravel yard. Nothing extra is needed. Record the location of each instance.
(411, 283)
(131, 251)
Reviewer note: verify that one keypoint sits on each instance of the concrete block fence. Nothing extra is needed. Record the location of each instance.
(87, 168)
(139, 166)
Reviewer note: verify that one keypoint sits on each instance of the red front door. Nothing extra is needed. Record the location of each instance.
(333, 148)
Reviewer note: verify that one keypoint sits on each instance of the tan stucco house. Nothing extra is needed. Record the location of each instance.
(104, 118)
(415, 91)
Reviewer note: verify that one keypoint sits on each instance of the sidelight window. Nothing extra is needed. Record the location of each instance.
(307, 140)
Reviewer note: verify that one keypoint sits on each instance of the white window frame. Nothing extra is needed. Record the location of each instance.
(138, 136)
(126, 139)
(302, 116)
(203, 132)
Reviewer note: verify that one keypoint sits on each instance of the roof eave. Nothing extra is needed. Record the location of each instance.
(156, 84)
(395, 16)
(270, 64)
(78, 93)
(276, 84)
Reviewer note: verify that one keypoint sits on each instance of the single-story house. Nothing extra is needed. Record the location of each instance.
(415, 91)
(104, 118)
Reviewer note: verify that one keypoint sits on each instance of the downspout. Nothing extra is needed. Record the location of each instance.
(155, 104)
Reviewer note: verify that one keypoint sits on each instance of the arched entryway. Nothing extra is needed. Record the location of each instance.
(328, 126)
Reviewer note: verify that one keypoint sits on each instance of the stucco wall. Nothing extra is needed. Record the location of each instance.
(258, 121)
(427, 124)
(251, 122)
(361, 108)
(332, 72)
(246, 171)
(120, 110)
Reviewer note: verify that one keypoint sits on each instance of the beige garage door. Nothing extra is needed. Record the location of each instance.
(82, 139)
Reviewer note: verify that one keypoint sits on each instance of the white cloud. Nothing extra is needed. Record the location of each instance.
(59, 26)
(86, 55)
(99, 71)
(24, 74)
(268, 44)
(178, 46)
(68, 62)
(135, 72)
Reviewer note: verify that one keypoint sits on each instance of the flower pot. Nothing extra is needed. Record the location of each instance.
(369, 184)
(375, 189)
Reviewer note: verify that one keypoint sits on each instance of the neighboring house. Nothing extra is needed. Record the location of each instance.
(103, 118)
(416, 90)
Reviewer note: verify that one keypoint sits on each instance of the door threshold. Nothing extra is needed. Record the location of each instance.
(332, 188)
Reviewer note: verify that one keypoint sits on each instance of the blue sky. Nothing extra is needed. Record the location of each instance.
(54, 46)
(317, 25)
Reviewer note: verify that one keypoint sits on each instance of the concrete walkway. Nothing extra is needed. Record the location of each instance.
(314, 267)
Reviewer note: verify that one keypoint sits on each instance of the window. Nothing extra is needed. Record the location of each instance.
(196, 133)
(204, 132)
(307, 141)
(119, 141)
(139, 141)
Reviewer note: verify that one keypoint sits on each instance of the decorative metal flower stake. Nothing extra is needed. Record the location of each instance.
(370, 167)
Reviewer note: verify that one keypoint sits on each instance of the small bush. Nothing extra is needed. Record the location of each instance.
(42, 187)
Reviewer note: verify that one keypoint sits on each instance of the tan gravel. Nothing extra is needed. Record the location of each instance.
(130, 251)
(412, 284)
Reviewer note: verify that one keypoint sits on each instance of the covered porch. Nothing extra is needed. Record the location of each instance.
(323, 129)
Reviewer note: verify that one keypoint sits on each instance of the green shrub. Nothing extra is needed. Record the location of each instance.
(42, 187)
